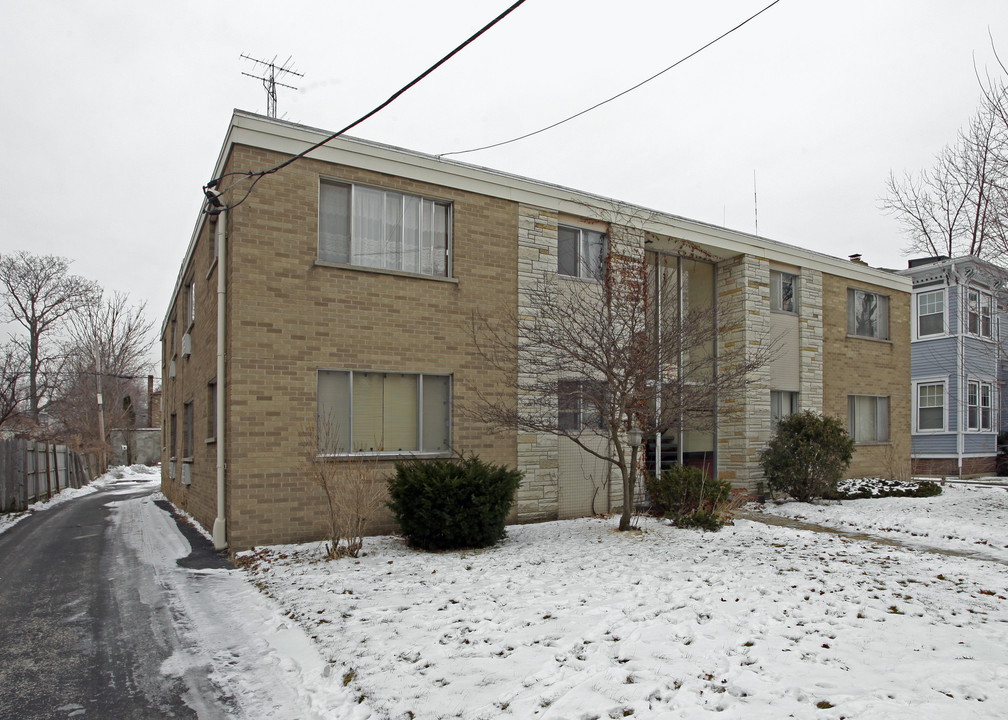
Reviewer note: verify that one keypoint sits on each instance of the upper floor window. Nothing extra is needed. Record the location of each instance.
(374, 412)
(366, 226)
(580, 252)
(191, 303)
(783, 291)
(867, 314)
(978, 313)
(868, 418)
(931, 313)
(578, 403)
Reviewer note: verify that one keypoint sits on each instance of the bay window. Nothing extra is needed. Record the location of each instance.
(979, 404)
(931, 313)
(978, 313)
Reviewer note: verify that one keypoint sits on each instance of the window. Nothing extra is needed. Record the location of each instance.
(187, 431)
(384, 412)
(212, 410)
(173, 436)
(868, 418)
(174, 336)
(867, 314)
(978, 313)
(783, 292)
(782, 404)
(979, 400)
(580, 252)
(578, 405)
(931, 406)
(190, 303)
(376, 228)
(931, 313)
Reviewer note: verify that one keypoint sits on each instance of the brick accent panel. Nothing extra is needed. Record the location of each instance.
(861, 366)
(949, 467)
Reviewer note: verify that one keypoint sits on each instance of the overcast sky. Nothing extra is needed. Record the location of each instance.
(114, 112)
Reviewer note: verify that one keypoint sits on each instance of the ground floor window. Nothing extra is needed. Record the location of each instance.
(384, 411)
(782, 404)
(931, 406)
(979, 401)
(868, 418)
(578, 403)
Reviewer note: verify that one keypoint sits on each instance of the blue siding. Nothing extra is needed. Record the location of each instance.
(929, 358)
(979, 443)
(934, 444)
(979, 359)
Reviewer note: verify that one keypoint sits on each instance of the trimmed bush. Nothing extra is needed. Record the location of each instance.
(447, 504)
(870, 488)
(688, 497)
(807, 456)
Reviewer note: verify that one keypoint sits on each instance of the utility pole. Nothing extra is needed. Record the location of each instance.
(269, 79)
(101, 407)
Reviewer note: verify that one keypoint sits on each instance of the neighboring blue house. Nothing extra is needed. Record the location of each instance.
(956, 364)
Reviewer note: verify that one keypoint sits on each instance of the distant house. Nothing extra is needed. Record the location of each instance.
(344, 285)
(956, 365)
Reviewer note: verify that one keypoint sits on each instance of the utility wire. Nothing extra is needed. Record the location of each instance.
(257, 176)
(618, 95)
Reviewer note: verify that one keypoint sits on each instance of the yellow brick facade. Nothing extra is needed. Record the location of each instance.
(862, 366)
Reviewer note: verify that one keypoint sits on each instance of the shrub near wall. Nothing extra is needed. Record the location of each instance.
(447, 504)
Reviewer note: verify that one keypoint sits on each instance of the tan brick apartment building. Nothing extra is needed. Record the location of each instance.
(348, 281)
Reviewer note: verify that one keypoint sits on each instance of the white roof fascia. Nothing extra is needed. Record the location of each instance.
(290, 139)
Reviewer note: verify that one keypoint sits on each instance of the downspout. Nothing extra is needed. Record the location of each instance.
(220, 523)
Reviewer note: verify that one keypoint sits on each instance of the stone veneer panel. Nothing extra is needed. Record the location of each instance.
(810, 338)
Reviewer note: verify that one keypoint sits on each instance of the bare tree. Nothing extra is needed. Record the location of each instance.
(109, 341)
(600, 358)
(41, 294)
(12, 371)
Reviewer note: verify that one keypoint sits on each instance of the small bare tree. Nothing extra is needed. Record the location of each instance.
(41, 294)
(351, 486)
(605, 351)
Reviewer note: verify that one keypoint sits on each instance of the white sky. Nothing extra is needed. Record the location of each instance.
(115, 111)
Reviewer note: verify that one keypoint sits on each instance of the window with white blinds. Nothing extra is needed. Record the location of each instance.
(365, 412)
(371, 227)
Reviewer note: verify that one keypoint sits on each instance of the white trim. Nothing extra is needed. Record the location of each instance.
(943, 380)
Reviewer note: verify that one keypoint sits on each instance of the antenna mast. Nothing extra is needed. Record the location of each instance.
(269, 79)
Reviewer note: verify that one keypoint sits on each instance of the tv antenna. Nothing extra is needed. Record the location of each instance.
(269, 79)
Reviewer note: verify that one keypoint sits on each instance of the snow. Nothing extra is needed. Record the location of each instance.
(573, 619)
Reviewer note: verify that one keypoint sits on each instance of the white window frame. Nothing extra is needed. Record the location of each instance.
(424, 205)
(979, 403)
(943, 304)
(584, 235)
(852, 425)
(930, 382)
(882, 306)
(777, 283)
(979, 310)
(420, 452)
(190, 303)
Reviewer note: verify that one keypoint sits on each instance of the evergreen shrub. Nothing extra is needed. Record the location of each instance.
(688, 497)
(807, 456)
(448, 504)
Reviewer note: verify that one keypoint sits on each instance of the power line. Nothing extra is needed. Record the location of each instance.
(210, 188)
(618, 95)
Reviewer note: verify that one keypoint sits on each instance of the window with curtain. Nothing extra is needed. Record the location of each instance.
(931, 313)
(371, 227)
(868, 418)
(580, 252)
(365, 412)
(783, 291)
(931, 406)
(867, 314)
(782, 404)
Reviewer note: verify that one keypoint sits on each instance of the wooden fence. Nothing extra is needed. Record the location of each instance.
(32, 470)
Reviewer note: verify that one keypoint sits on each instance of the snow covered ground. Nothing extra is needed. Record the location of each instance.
(575, 620)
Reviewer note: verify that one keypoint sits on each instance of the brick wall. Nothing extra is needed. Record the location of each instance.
(288, 316)
(861, 366)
